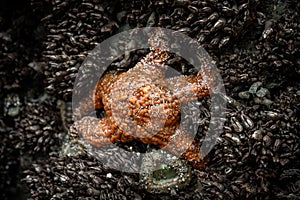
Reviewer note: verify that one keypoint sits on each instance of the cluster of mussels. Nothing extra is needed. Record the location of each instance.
(72, 29)
(18, 71)
(79, 178)
(213, 23)
(255, 45)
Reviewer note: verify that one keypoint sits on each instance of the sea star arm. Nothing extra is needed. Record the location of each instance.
(96, 132)
(99, 132)
(182, 144)
(188, 88)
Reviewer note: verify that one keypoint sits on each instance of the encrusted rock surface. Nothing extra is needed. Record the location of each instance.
(255, 45)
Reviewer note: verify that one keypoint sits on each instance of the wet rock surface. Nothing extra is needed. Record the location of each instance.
(255, 45)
